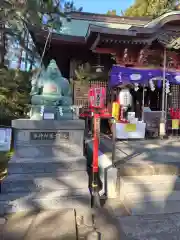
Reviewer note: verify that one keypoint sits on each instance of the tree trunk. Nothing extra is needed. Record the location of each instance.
(21, 51)
(2, 44)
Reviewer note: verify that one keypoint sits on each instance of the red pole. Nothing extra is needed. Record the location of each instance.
(96, 143)
(95, 167)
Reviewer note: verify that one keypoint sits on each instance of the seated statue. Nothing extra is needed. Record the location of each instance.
(51, 93)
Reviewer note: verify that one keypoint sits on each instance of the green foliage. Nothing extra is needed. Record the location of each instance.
(14, 93)
(84, 73)
(16, 16)
(70, 7)
(4, 158)
(30, 12)
(111, 13)
(20, 15)
(152, 8)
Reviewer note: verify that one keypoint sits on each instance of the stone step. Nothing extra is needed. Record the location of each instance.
(34, 202)
(153, 196)
(46, 150)
(46, 166)
(71, 175)
(155, 208)
(148, 168)
(141, 184)
(60, 159)
(45, 193)
(159, 202)
(38, 186)
(50, 181)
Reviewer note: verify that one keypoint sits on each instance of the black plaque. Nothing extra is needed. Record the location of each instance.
(49, 135)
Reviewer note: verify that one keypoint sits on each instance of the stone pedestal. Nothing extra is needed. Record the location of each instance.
(48, 138)
(48, 170)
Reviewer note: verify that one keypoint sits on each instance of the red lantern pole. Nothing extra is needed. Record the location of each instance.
(95, 167)
(97, 103)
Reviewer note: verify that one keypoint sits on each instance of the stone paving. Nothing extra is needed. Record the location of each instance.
(45, 225)
(162, 156)
(62, 225)
(59, 225)
(154, 227)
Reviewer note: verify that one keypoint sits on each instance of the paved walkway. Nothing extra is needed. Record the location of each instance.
(154, 150)
(63, 225)
(46, 225)
(59, 225)
(152, 227)
(158, 152)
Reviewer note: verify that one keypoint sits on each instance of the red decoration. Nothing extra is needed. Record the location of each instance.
(97, 97)
(174, 113)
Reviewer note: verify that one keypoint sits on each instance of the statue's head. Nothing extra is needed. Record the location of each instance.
(49, 79)
(53, 70)
(53, 82)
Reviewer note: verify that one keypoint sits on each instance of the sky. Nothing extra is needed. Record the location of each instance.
(102, 6)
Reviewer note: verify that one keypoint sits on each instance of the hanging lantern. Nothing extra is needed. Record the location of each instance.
(136, 87)
(152, 86)
(167, 87)
(125, 98)
(99, 69)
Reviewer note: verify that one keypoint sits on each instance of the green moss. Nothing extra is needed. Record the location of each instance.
(4, 158)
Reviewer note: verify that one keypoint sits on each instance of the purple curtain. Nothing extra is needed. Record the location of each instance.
(122, 75)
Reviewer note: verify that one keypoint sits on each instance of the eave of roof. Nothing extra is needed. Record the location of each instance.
(163, 19)
(110, 31)
(139, 21)
(43, 33)
(147, 31)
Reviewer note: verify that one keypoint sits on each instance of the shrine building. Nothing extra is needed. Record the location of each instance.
(108, 43)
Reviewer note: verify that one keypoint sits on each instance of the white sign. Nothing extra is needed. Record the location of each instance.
(5, 139)
(177, 78)
(131, 116)
(2, 136)
(135, 77)
(49, 116)
(98, 95)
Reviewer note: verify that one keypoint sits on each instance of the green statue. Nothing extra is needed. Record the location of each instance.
(51, 95)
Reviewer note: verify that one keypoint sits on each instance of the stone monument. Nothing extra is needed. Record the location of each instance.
(51, 95)
(51, 124)
(48, 170)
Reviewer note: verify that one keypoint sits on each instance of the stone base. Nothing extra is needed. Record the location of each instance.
(48, 138)
(48, 124)
(48, 170)
(60, 113)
